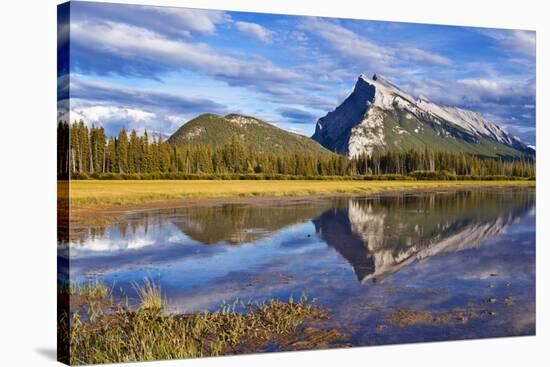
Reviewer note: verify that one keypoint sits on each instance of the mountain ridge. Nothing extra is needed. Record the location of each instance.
(379, 116)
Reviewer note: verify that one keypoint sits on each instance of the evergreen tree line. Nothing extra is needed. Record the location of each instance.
(422, 162)
(91, 152)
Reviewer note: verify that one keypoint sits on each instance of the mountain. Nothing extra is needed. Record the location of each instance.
(217, 130)
(378, 116)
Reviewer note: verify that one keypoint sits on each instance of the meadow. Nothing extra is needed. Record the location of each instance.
(93, 193)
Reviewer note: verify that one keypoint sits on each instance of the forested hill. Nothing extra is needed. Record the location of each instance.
(129, 155)
(215, 131)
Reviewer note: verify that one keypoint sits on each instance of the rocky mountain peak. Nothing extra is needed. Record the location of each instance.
(379, 79)
(422, 99)
(378, 115)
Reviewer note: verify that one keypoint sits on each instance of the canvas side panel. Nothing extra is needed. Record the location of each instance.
(63, 175)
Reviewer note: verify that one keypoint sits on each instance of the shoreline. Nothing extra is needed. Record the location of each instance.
(234, 192)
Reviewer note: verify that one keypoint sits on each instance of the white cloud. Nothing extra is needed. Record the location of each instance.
(196, 20)
(298, 36)
(347, 42)
(256, 31)
(368, 53)
(416, 54)
(113, 106)
(472, 90)
(494, 88)
(98, 114)
(113, 118)
(521, 41)
(501, 99)
(144, 45)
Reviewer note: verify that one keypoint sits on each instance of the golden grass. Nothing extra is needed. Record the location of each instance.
(91, 290)
(149, 295)
(119, 334)
(128, 192)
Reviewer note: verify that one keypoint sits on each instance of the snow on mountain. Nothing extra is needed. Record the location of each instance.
(378, 115)
(388, 94)
(470, 121)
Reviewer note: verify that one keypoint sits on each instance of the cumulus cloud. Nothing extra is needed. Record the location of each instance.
(114, 107)
(256, 31)
(97, 114)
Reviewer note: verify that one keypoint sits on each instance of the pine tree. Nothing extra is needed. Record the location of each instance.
(122, 151)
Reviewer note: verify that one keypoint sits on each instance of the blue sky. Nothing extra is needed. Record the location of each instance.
(154, 68)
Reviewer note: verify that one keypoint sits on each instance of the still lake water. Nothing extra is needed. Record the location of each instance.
(363, 258)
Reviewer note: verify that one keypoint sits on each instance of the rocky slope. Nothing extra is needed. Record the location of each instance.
(378, 116)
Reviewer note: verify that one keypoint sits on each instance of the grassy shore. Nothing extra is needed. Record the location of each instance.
(100, 331)
(128, 192)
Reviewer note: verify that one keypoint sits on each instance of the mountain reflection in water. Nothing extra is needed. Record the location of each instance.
(361, 257)
(378, 236)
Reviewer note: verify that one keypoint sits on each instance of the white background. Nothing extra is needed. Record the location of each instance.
(28, 194)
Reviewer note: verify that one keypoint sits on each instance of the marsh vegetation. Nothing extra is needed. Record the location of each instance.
(101, 330)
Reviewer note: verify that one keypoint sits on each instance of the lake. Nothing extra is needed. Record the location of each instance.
(392, 268)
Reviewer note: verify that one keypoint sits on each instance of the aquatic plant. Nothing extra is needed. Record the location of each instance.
(149, 295)
(93, 289)
(121, 334)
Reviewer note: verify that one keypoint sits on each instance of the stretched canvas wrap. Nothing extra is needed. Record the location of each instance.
(233, 183)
